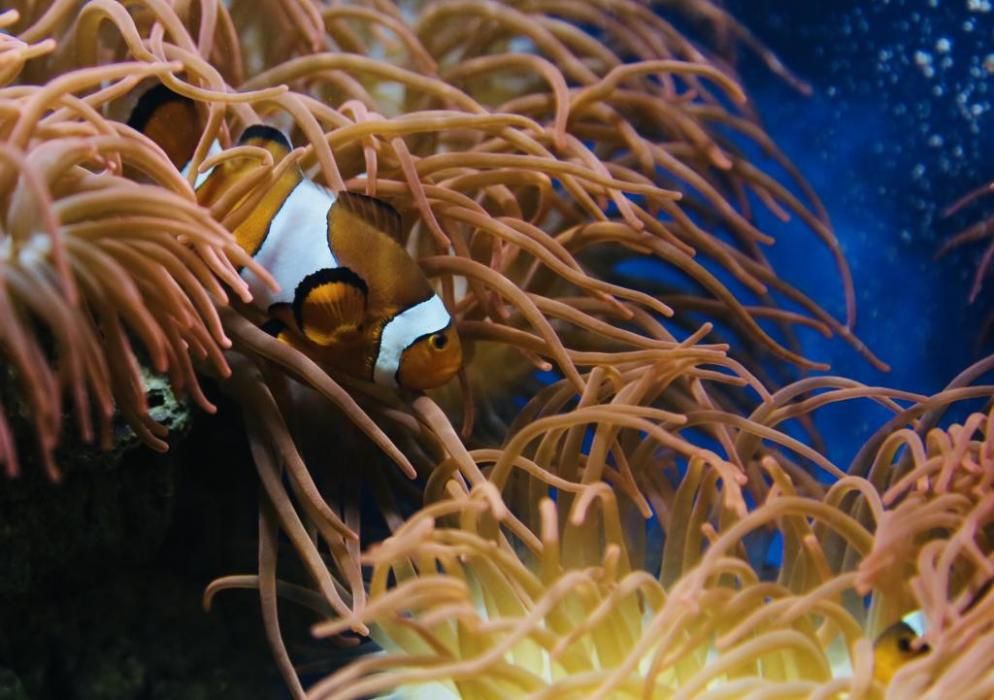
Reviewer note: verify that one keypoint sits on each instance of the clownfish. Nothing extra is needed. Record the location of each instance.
(351, 295)
(896, 646)
(899, 644)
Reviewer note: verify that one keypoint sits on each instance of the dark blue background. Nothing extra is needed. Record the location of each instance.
(899, 125)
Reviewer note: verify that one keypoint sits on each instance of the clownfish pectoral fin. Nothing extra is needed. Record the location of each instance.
(365, 210)
(170, 120)
(329, 304)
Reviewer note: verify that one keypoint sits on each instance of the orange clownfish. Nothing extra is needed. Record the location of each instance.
(351, 296)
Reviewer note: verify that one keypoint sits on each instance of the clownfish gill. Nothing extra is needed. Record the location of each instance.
(351, 296)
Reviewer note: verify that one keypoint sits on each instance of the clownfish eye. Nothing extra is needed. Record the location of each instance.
(904, 644)
(430, 361)
(438, 340)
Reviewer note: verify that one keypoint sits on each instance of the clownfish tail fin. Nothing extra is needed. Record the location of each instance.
(170, 120)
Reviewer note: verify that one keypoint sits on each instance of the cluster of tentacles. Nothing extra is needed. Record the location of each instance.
(580, 597)
(533, 148)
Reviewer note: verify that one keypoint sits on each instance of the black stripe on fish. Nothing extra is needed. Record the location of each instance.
(273, 327)
(150, 102)
(266, 133)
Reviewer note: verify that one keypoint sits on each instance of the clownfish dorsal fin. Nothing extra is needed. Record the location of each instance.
(329, 304)
(373, 211)
(170, 120)
(364, 235)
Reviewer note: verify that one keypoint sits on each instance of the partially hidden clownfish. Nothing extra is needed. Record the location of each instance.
(897, 645)
(351, 296)
(902, 642)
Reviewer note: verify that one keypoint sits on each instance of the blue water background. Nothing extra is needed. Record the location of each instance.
(900, 124)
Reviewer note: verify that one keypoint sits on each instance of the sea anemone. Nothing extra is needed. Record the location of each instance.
(560, 167)
(93, 261)
(579, 597)
(531, 148)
